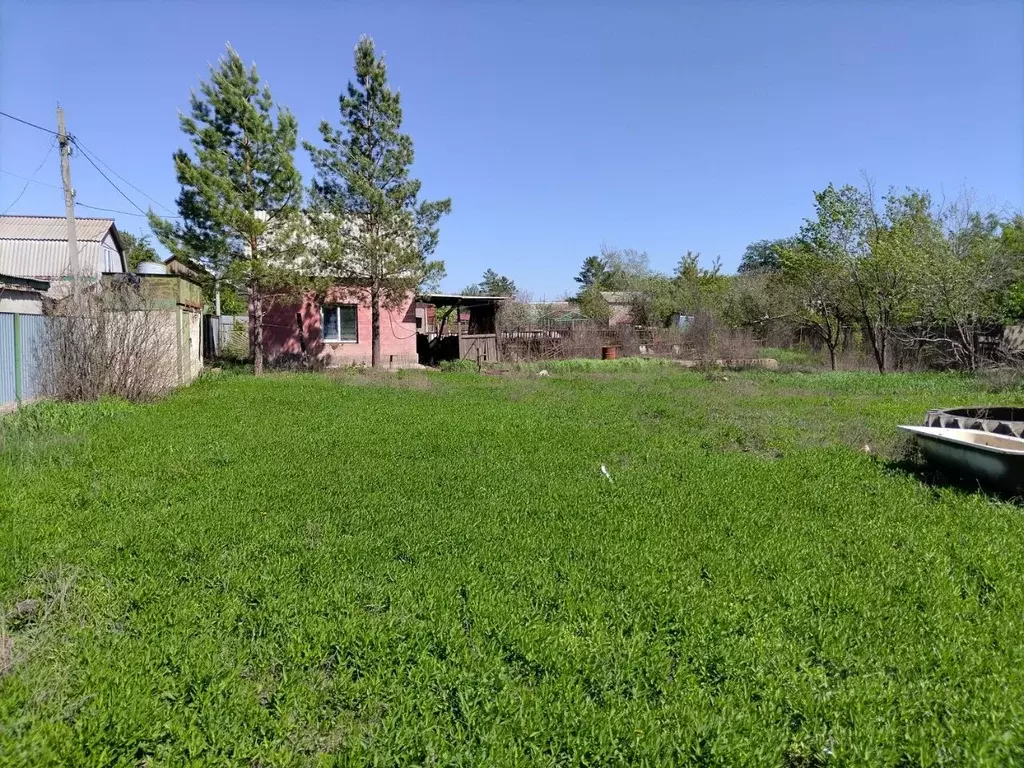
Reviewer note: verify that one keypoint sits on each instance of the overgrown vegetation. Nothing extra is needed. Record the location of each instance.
(293, 570)
(897, 279)
(108, 339)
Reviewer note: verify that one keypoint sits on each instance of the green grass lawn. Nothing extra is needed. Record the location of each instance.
(430, 568)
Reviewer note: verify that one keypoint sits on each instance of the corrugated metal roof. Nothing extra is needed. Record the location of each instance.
(53, 228)
(37, 246)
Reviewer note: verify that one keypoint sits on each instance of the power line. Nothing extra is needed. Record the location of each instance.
(101, 173)
(87, 155)
(26, 122)
(115, 210)
(82, 147)
(29, 180)
(26, 178)
(46, 157)
(16, 199)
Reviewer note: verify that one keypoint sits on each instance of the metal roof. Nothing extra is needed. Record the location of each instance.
(458, 298)
(23, 283)
(87, 230)
(37, 246)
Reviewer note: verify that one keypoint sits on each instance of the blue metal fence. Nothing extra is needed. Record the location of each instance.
(8, 393)
(32, 328)
(21, 341)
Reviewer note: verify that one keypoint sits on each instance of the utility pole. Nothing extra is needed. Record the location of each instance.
(69, 200)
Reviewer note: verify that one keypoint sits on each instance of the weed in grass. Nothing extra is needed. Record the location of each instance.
(293, 570)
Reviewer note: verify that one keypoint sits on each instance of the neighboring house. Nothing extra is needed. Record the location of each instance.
(621, 304)
(37, 247)
(337, 331)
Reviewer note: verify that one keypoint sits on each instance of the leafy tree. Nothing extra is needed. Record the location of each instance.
(699, 287)
(756, 301)
(882, 276)
(240, 190)
(366, 213)
(764, 255)
(815, 277)
(963, 284)
(137, 249)
(494, 284)
(625, 268)
(831, 244)
(1012, 243)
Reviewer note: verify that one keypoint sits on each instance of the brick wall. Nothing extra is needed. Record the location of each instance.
(283, 341)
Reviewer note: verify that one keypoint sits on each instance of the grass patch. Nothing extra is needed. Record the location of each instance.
(295, 570)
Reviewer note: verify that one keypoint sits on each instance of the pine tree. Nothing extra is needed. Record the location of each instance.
(593, 274)
(371, 228)
(494, 284)
(240, 191)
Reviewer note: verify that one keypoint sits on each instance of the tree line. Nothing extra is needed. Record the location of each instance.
(900, 270)
(246, 215)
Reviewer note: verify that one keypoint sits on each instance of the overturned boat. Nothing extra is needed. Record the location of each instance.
(991, 458)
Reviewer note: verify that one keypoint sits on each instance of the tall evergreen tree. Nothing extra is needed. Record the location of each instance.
(494, 284)
(593, 273)
(371, 227)
(240, 191)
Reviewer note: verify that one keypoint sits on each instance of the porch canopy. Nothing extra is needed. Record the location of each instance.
(470, 337)
(459, 300)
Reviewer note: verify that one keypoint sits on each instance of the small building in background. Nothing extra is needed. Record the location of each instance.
(336, 329)
(37, 247)
(457, 327)
(621, 305)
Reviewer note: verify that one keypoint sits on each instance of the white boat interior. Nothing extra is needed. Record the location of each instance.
(986, 441)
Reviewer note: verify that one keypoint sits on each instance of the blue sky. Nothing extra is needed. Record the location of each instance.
(553, 126)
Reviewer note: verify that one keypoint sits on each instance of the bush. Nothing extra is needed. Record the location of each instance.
(108, 340)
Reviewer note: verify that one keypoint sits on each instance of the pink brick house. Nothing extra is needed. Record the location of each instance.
(336, 331)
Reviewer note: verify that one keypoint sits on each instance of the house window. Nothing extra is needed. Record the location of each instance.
(339, 323)
(110, 261)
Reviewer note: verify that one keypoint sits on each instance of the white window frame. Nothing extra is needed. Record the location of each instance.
(109, 259)
(323, 323)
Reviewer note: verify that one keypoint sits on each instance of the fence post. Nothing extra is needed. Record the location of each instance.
(17, 359)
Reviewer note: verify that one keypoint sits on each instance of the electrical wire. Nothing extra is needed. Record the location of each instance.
(88, 155)
(391, 320)
(82, 147)
(16, 199)
(101, 173)
(32, 125)
(26, 178)
(116, 210)
(29, 180)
